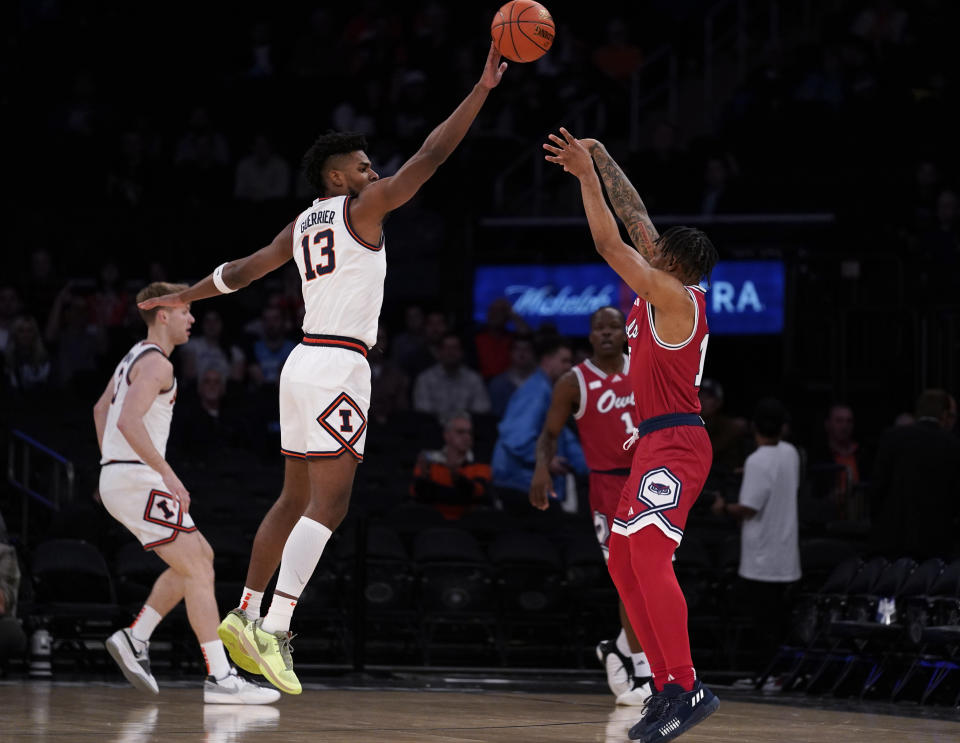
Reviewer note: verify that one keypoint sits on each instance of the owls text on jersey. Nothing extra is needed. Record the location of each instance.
(115, 447)
(341, 275)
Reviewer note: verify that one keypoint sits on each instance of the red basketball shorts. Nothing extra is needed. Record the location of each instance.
(605, 490)
(669, 469)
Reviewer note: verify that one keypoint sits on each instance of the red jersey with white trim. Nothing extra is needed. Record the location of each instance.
(605, 416)
(666, 377)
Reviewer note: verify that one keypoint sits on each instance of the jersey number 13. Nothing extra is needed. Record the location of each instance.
(325, 240)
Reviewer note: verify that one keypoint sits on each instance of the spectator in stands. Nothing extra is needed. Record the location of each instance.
(449, 479)
(493, 340)
(40, 287)
(514, 455)
(269, 352)
(78, 345)
(389, 385)
(916, 482)
(9, 310)
(767, 511)
(27, 364)
(718, 195)
(617, 58)
(427, 352)
(201, 141)
(262, 175)
(208, 348)
(940, 246)
(409, 342)
(207, 427)
(449, 386)
(839, 457)
(523, 362)
(13, 640)
(109, 303)
(729, 436)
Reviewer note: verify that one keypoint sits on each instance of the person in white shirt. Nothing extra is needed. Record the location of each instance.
(767, 510)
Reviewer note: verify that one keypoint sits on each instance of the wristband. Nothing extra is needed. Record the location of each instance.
(218, 280)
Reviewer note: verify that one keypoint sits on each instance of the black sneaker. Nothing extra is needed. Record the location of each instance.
(673, 712)
(619, 667)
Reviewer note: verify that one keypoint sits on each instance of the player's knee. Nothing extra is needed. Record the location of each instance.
(619, 564)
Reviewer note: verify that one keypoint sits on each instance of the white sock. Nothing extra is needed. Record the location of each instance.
(622, 645)
(145, 623)
(215, 658)
(250, 602)
(641, 666)
(301, 554)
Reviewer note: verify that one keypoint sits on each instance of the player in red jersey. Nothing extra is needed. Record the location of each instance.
(597, 393)
(667, 332)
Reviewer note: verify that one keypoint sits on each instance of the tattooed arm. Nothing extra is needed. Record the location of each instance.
(625, 200)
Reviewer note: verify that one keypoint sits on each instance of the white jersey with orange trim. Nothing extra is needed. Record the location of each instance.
(341, 275)
(157, 419)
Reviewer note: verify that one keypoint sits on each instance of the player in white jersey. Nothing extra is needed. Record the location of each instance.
(338, 246)
(141, 491)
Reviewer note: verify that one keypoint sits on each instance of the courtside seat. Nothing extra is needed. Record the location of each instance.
(455, 594)
(135, 570)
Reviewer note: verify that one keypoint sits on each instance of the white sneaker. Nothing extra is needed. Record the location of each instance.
(637, 696)
(618, 666)
(234, 689)
(134, 664)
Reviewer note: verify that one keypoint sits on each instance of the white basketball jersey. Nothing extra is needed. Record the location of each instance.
(341, 275)
(157, 419)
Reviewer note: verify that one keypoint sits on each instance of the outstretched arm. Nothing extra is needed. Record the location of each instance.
(625, 200)
(657, 287)
(564, 401)
(386, 194)
(235, 274)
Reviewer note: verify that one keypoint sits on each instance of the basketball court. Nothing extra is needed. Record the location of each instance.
(116, 713)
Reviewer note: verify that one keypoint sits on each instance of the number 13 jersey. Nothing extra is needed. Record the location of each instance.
(666, 377)
(341, 274)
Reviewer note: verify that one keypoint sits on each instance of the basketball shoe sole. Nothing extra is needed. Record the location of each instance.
(229, 633)
(133, 665)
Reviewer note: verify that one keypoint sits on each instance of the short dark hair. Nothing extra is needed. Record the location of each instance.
(325, 146)
(690, 249)
(769, 417)
(932, 403)
(597, 311)
(548, 344)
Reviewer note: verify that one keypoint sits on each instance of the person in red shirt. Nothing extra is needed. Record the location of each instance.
(493, 341)
(667, 333)
(597, 393)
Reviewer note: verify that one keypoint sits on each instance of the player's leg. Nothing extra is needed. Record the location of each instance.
(331, 480)
(130, 646)
(274, 530)
(265, 558)
(191, 557)
(628, 672)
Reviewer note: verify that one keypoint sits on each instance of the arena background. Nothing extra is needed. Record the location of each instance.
(793, 133)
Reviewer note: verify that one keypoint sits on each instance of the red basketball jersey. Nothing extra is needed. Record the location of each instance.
(605, 417)
(665, 377)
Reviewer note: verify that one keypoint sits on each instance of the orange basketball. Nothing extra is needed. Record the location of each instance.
(522, 30)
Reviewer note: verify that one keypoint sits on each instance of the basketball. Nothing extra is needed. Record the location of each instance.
(522, 30)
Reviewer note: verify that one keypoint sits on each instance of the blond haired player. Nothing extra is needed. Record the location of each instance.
(141, 491)
(338, 246)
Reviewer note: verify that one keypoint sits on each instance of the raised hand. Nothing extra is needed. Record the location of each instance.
(493, 69)
(570, 153)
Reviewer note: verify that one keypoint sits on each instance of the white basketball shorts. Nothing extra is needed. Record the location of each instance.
(134, 494)
(324, 398)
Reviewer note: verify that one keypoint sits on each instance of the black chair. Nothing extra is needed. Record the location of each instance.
(73, 597)
(938, 628)
(531, 591)
(455, 593)
(811, 617)
(819, 557)
(409, 519)
(858, 594)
